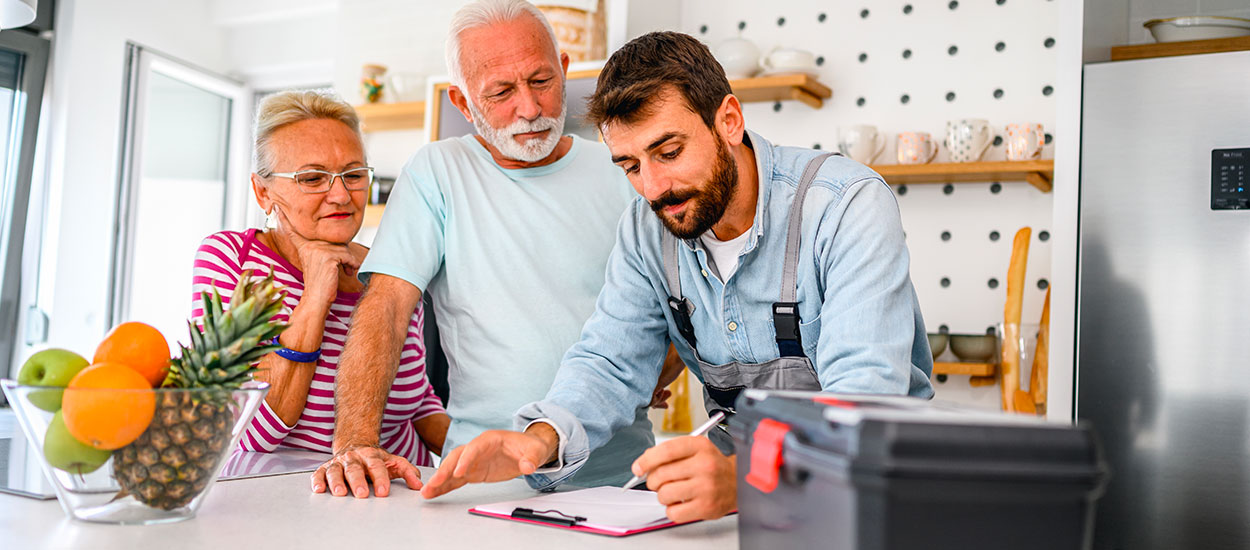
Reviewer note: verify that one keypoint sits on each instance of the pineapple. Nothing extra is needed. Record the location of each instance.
(173, 460)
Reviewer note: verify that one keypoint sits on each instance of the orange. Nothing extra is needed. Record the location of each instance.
(108, 405)
(138, 346)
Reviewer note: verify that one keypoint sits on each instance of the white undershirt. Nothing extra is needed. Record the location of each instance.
(725, 253)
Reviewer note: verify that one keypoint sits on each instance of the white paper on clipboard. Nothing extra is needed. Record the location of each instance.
(605, 508)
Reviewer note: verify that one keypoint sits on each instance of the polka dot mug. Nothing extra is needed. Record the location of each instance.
(968, 139)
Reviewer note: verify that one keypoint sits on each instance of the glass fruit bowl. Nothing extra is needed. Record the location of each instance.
(133, 456)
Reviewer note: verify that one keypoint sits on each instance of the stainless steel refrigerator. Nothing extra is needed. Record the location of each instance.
(1163, 343)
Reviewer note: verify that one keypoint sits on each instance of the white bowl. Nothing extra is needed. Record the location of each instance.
(739, 57)
(1197, 27)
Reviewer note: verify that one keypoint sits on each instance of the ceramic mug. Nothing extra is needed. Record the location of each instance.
(916, 148)
(790, 60)
(1025, 141)
(739, 57)
(968, 139)
(861, 142)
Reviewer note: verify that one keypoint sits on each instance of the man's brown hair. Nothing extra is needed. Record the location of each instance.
(636, 74)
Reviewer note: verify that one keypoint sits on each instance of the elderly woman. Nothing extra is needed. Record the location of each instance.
(312, 179)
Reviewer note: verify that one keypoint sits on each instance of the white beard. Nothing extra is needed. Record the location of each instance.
(503, 139)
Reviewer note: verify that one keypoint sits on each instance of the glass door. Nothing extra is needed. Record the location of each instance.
(184, 177)
(23, 68)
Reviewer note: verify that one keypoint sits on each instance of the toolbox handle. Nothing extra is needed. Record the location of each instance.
(766, 455)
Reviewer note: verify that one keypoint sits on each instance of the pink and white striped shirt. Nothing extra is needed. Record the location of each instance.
(221, 258)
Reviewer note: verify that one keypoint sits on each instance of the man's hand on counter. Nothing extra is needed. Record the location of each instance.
(691, 478)
(354, 467)
(496, 455)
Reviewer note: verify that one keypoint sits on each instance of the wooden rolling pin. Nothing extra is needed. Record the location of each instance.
(1009, 369)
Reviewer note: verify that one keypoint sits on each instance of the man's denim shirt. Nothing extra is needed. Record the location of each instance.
(860, 318)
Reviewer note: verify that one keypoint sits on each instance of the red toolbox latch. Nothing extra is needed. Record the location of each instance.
(833, 401)
(766, 456)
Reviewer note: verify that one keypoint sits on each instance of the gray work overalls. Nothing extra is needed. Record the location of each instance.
(792, 370)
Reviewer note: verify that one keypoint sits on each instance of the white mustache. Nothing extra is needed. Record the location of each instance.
(526, 126)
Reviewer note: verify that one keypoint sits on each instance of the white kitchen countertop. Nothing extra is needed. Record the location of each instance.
(280, 512)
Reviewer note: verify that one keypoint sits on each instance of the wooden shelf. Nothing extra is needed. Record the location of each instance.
(391, 116)
(1038, 173)
(801, 87)
(972, 369)
(1172, 49)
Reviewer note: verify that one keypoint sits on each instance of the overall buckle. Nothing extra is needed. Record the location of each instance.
(681, 317)
(786, 323)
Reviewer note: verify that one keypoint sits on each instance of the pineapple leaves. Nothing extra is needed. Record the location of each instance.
(230, 340)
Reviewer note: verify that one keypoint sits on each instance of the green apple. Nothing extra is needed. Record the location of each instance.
(65, 452)
(50, 367)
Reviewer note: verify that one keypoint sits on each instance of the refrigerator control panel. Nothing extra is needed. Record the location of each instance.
(1230, 179)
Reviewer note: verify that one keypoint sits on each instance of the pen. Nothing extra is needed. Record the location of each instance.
(711, 422)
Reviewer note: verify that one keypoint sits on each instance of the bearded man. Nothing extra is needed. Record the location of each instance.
(771, 267)
(509, 230)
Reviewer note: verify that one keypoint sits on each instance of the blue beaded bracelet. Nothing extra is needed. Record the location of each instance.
(297, 356)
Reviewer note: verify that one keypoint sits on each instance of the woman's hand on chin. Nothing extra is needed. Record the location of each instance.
(322, 262)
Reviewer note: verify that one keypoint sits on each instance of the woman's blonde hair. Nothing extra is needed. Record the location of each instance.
(292, 106)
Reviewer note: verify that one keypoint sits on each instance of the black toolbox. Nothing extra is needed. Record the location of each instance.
(820, 470)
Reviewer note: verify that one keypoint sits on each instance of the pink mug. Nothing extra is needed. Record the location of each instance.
(916, 148)
(1025, 141)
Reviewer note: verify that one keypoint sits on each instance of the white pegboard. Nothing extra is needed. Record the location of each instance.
(871, 91)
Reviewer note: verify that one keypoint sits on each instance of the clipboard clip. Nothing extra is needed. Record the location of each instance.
(554, 517)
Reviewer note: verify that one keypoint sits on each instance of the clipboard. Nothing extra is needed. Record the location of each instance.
(601, 510)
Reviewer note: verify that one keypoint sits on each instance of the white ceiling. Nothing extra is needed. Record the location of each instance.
(236, 13)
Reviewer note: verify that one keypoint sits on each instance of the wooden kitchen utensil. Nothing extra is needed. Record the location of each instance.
(978, 381)
(1034, 400)
(1041, 360)
(1009, 369)
(677, 415)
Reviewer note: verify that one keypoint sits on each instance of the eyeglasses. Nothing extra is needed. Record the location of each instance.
(320, 181)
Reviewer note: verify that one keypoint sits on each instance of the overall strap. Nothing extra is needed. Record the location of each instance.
(786, 311)
(681, 308)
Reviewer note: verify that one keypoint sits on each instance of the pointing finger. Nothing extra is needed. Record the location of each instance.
(432, 489)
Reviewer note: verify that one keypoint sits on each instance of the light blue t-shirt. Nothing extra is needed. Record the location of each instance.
(514, 260)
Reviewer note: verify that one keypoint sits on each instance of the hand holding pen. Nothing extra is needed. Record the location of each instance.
(701, 430)
(690, 476)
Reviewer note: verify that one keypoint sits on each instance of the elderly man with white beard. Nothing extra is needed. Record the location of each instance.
(509, 231)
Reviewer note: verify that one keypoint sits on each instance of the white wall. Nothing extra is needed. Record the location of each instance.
(278, 44)
(87, 75)
(1024, 67)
